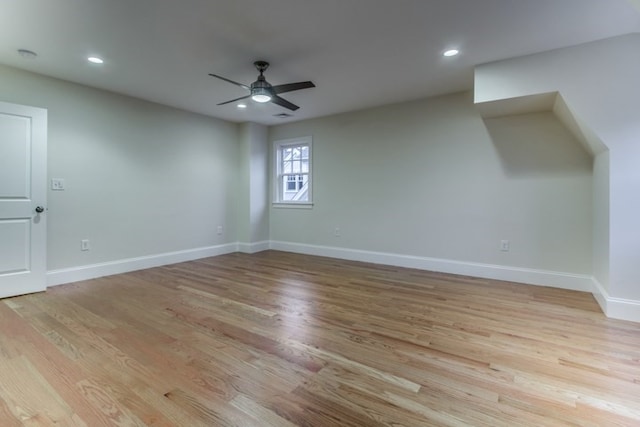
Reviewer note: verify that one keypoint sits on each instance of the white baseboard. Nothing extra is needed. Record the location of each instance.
(578, 282)
(252, 248)
(616, 308)
(86, 272)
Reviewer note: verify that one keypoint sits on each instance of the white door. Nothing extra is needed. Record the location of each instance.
(23, 191)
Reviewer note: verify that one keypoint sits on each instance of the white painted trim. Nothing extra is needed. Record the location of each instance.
(600, 294)
(252, 248)
(86, 272)
(616, 308)
(277, 184)
(288, 205)
(578, 282)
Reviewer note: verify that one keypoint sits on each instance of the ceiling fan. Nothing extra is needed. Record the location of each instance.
(262, 91)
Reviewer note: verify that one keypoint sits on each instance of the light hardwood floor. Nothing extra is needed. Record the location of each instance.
(278, 339)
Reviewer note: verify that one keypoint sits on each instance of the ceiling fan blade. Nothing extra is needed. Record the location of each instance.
(230, 81)
(284, 103)
(234, 100)
(289, 87)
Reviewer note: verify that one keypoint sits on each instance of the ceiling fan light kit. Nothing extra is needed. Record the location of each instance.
(260, 94)
(262, 91)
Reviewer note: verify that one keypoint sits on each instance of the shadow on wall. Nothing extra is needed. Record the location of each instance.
(537, 144)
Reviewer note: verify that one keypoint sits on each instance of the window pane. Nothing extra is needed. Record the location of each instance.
(286, 167)
(305, 166)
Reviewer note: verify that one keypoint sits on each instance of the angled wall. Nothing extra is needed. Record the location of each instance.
(599, 83)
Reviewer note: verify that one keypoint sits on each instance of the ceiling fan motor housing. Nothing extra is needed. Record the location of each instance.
(261, 83)
(262, 90)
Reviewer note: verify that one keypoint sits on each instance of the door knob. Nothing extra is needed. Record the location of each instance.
(39, 209)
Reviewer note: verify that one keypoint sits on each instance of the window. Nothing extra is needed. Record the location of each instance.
(293, 171)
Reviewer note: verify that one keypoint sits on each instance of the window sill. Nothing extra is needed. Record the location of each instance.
(295, 205)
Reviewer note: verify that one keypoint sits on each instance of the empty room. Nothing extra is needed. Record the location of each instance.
(320, 213)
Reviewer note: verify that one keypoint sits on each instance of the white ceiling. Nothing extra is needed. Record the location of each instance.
(359, 53)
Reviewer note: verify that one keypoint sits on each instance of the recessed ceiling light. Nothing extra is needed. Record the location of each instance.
(28, 54)
(95, 60)
(242, 106)
(451, 52)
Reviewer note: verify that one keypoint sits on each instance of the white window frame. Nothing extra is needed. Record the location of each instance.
(279, 176)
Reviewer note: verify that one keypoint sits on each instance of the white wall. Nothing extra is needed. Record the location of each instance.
(432, 179)
(601, 218)
(599, 82)
(141, 179)
(259, 196)
(253, 194)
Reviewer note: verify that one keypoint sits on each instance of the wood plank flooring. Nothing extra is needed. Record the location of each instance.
(278, 339)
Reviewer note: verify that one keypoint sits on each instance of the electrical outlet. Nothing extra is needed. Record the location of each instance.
(85, 245)
(57, 184)
(220, 230)
(505, 245)
(336, 232)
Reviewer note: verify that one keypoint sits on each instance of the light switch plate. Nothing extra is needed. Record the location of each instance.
(57, 184)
